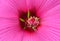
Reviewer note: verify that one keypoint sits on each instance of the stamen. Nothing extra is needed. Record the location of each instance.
(29, 22)
(22, 20)
(32, 23)
(28, 15)
(34, 28)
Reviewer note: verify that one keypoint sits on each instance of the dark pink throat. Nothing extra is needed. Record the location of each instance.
(29, 21)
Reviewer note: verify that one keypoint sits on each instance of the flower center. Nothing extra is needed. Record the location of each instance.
(30, 23)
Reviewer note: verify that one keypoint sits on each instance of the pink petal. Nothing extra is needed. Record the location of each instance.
(31, 37)
(49, 4)
(8, 9)
(28, 4)
(50, 29)
(38, 3)
(35, 3)
(22, 5)
(9, 34)
(26, 37)
(9, 23)
(52, 17)
(47, 34)
(19, 36)
(9, 30)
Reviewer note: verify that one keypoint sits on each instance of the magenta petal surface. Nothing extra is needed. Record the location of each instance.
(50, 29)
(8, 9)
(9, 23)
(49, 4)
(31, 37)
(47, 10)
(22, 5)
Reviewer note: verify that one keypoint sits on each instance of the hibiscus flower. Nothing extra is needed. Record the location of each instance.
(29, 20)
